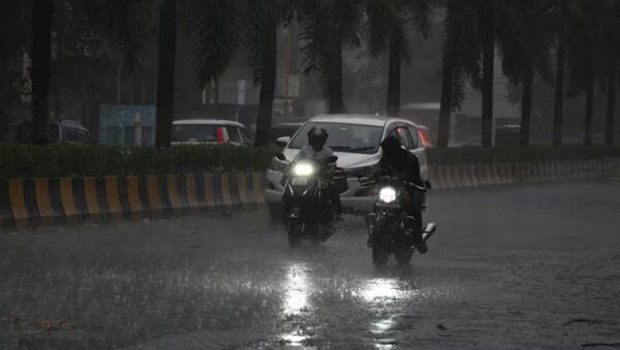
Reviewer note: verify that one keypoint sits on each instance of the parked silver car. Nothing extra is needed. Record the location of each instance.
(356, 140)
(209, 131)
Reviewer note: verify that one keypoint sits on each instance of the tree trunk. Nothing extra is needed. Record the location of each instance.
(447, 94)
(526, 105)
(488, 71)
(42, 13)
(558, 112)
(335, 79)
(610, 124)
(393, 93)
(165, 77)
(269, 52)
(587, 138)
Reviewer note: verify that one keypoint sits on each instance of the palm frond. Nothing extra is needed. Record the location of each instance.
(125, 24)
(216, 34)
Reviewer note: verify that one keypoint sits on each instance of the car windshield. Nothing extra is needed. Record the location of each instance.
(194, 133)
(343, 137)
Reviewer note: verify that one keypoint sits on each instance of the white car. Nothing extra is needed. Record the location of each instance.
(209, 131)
(356, 140)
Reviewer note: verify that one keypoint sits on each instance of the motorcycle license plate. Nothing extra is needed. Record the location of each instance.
(300, 181)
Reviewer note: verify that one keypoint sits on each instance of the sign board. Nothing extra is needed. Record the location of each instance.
(129, 125)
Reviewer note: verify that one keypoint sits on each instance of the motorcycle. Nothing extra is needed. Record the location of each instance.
(391, 229)
(309, 211)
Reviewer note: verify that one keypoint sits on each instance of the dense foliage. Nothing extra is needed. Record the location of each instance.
(569, 44)
(72, 160)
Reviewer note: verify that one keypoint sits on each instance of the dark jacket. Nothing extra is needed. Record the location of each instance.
(404, 165)
(398, 162)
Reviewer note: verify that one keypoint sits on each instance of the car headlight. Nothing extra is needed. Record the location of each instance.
(387, 194)
(278, 165)
(303, 169)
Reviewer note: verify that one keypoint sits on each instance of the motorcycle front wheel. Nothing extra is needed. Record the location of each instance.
(293, 230)
(403, 257)
(380, 253)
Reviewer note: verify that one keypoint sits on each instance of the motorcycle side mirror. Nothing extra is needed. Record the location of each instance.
(332, 159)
(281, 157)
(428, 185)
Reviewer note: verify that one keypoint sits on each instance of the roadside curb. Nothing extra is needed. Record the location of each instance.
(496, 174)
(45, 201)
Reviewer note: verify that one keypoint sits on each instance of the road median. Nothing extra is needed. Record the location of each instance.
(45, 201)
(498, 174)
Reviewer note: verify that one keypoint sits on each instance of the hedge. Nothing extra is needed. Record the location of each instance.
(28, 161)
(472, 154)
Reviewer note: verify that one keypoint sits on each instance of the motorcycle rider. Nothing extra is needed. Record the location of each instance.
(316, 150)
(398, 162)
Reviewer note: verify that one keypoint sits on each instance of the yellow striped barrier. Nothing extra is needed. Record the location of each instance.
(25, 202)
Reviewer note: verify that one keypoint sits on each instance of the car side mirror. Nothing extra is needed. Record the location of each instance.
(283, 141)
(332, 159)
(281, 157)
(428, 185)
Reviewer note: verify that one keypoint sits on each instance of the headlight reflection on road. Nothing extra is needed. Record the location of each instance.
(381, 292)
(296, 301)
(297, 290)
(381, 289)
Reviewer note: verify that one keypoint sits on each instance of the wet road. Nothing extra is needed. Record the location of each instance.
(525, 267)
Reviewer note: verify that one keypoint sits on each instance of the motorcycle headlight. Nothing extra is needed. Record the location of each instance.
(387, 194)
(303, 169)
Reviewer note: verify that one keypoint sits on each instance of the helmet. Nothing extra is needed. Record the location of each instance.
(317, 137)
(391, 147)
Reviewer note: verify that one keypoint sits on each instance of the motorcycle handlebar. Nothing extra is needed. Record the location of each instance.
(372, 182)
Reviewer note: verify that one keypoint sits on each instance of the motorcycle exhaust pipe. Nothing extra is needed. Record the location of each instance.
(429, 231)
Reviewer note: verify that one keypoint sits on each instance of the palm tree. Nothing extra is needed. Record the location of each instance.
(487, 13)
(388, 23)
(221, 25)
(260, 39)
(124, 25)
(478, 19)
(611, 30)
(558, 111)
(524, 40)
(215, 27)
(460, 60)
(585, 55)
(326, 27)
(11, 17)
(165, 77)
(42, 14)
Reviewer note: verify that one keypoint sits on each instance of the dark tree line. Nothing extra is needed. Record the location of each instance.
(570, 44)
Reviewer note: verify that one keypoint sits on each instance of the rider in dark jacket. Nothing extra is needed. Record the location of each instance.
(398, 162)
